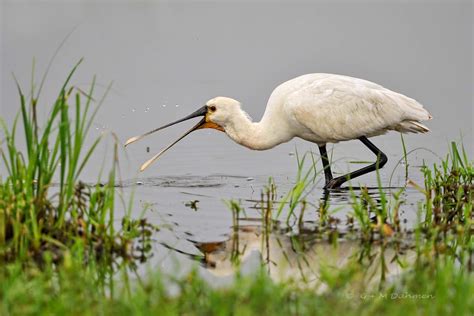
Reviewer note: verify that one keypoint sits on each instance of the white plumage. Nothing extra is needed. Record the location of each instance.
(326, 108)
(321, 108)
(337, 108)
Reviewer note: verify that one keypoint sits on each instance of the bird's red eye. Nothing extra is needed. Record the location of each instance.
(212, 108)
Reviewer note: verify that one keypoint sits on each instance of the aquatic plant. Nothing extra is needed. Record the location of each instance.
(44, 206)
(441, 291)
(448, 224)
(304, 183)
(445, 234)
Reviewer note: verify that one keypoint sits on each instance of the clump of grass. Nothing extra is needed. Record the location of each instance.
(443, 291)
(378, 226)
(35, 216)
(446, 232)
(448, 224)
(449, 187)
(300, 190)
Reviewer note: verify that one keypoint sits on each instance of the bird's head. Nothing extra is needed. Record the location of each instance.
(220, 111)
(215, 114)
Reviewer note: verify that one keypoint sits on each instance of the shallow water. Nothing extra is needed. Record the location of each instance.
(196, 225)
(167, 59)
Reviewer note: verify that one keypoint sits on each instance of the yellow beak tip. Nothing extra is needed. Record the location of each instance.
(131, 140)
(147, 164)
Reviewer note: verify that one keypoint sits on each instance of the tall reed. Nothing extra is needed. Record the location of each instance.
(34, 217)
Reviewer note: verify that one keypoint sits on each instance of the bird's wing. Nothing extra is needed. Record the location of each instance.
(341, 109)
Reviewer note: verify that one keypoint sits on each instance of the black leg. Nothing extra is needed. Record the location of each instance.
(326, 166)
(378, 164)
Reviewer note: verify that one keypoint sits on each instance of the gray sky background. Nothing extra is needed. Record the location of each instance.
(184, 53)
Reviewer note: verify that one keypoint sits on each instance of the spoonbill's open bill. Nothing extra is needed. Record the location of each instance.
(320, 108)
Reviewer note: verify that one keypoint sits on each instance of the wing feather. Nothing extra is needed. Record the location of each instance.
(338, 108)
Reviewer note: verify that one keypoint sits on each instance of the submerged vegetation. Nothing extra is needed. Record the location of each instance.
(60, 238)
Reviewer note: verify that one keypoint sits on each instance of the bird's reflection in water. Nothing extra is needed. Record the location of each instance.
(300, 253)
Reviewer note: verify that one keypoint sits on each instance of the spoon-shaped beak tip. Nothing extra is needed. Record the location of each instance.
(131, 140)
(145, 165)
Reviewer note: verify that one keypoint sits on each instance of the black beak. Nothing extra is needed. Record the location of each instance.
(200, 112)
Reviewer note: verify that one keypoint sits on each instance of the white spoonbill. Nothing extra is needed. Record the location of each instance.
(320, 108)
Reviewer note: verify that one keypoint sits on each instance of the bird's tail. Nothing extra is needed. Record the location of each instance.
(411, 127)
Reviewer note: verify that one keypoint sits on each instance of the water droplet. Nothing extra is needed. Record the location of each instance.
(250, 179)
(147, 109)
(177, 105)
(139, 183)
(96, 128)
(164, 105)
(133, 110)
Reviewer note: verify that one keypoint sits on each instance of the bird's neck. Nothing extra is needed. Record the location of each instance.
(261, 135)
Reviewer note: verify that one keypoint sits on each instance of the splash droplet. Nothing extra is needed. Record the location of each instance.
(147, 109)
(164, 105)
(177, 105)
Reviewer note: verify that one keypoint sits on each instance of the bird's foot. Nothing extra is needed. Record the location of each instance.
(334, 184)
